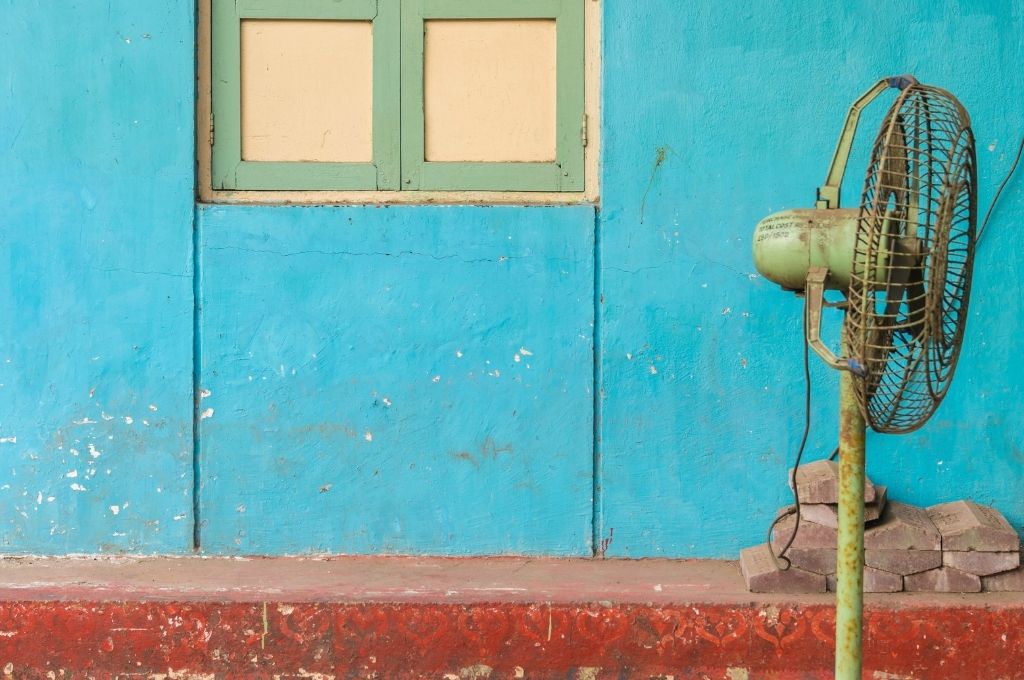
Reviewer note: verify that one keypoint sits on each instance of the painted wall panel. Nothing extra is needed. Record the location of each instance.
(364, 388)
(715, 117)
(490, 90)
(96, 185)
(397, 380)
(307, 90)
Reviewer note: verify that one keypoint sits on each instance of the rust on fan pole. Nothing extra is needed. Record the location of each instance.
(850, 556)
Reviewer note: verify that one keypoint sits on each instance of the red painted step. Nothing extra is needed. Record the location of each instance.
(395, 618)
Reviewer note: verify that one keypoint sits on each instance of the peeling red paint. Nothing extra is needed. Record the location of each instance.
(231, 640)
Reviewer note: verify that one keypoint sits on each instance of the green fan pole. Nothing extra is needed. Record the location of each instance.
(850, 565)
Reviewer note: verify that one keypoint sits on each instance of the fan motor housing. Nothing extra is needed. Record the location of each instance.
(788, 243)
(902, 259)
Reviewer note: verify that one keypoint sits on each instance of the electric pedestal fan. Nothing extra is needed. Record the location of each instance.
(902, 261)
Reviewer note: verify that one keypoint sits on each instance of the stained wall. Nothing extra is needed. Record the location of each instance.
(716, 116)
(422, 379)
(96, 210)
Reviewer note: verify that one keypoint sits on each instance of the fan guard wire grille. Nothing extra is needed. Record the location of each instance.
(911, 273)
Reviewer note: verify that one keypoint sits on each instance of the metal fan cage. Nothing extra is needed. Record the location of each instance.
(911, 274)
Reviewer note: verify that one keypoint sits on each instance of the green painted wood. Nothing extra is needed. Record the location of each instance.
(229, 171)
(307, 9)
(387, 94)
(297, 176)
(567, 172)
(413, 144)
(490, 176)
(227, 93)
(571, 94)
(398, 136)
(491, 9)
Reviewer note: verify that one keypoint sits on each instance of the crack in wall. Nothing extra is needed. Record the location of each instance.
(356, 253)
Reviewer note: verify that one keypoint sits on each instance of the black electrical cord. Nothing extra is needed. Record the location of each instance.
(984, 223)
(795, 510)
(995, 199)
(799, 456)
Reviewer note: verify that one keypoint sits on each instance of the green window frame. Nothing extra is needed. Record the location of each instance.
(566, 172)
(399, 162)
(230, 171)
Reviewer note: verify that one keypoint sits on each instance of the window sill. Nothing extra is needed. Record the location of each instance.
(387, 198)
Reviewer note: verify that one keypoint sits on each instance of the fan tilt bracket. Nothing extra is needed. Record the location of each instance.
(814, 301)
(828, 193)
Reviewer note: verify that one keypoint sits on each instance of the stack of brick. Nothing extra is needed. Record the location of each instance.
(979, 549)
(958, 547)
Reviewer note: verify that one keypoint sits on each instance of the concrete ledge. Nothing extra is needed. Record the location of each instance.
(468, 618)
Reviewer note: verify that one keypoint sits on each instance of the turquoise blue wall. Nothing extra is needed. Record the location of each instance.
(747, 104)
(358, 367)
(96, 187)
(397, 380)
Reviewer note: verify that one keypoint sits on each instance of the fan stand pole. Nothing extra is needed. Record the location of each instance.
(850, 565)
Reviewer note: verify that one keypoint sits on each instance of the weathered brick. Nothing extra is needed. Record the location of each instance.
(875, 581)
(818, 482)
(903, 562)
(809, 535)
(1007, 582)
(827, 514)
(873, 511)
(981, 563)
(943, 580)
(965, 525)
(817, 560)
(762, 576)
(903, 527)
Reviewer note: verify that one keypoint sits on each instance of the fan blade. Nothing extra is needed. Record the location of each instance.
(906, 282)
(916, 300)
(896, 170)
